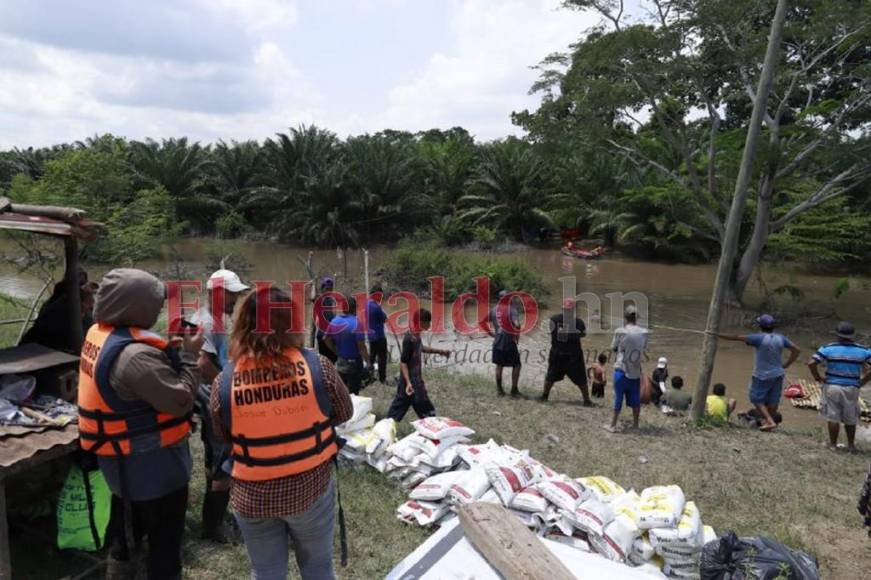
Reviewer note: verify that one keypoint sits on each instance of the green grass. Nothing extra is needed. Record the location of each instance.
(783, 484)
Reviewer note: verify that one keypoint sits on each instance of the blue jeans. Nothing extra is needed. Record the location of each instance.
(766, 391)
(311, 531)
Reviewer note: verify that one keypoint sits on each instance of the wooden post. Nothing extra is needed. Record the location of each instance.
(5, 555)
(507, 545)
(736, 212)
(71, 281)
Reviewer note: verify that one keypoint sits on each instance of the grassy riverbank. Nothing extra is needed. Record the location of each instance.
(783, 484)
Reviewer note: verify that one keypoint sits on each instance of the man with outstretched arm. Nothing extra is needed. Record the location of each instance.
(766, 385)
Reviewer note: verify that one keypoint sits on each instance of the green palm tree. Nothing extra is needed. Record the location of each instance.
(238, 168)
(510, 187)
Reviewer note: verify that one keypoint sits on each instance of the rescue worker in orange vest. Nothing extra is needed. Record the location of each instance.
(136, 395)
(276, 404)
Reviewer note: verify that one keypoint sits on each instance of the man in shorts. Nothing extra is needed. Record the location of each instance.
(766, 384)
(845, 362)
(630, 344)
(501, 324)
(566, 357)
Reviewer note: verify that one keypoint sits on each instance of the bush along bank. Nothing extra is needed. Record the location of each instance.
(418, 258)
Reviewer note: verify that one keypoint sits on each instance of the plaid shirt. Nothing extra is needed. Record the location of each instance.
(292, 494)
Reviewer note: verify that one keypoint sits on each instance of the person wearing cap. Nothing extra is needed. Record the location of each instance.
(659, 380)
(224, 287)
(845, 363)
(630, 344)
(501, 323)
(325, 305)
(375, 319)
(566, 356)
(766, 384)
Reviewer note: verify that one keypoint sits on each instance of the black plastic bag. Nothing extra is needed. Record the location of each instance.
(734, 558)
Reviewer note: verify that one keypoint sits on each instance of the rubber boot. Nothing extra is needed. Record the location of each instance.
(214, 510)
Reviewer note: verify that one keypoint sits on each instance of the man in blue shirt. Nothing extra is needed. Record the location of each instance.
(375, 318)
(766, 385)
(349, 343)
(845, 362)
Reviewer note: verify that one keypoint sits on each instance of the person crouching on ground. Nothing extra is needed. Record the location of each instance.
(717, 407)
(845, 362)
(630, 344)
(676, 400)
(411, 389)
(276, 404)
(598, 376)
(136, 387)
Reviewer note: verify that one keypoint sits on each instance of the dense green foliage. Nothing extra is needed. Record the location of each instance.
(637, 141)
(418, 258)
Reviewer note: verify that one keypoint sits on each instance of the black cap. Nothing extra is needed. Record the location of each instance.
(845, 330)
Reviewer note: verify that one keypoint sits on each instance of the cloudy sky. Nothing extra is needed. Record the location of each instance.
(237, 69)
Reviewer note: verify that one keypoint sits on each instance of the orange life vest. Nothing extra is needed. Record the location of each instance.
(278, 415)
(108, 424)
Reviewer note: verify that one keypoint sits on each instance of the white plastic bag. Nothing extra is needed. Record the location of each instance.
(435, 487)
(661, 507)
(592, 516)
(422, 513)
(439, 428)
(563, 493)
(480, 454)
(529, 499)
(433, 447)
(602, 487)
(506, 480)
(385, 433)
(616, 541)
(473, 484)
(688, 531)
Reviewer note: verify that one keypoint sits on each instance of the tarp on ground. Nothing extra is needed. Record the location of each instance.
(448, 554)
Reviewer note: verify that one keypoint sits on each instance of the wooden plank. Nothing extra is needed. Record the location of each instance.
(508, 546)
(27, 358)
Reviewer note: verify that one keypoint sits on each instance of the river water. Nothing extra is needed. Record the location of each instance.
(677, 297)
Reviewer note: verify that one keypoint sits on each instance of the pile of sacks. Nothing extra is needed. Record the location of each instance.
(657, 528)
(365, 441)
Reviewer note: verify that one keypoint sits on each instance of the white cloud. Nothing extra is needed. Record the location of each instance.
(487, 75)
(215, 69)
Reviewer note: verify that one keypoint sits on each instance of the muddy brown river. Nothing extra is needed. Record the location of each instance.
(676, 295)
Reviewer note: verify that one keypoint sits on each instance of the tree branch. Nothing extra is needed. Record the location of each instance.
(831, 189)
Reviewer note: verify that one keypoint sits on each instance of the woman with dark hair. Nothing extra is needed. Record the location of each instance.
(277, 404)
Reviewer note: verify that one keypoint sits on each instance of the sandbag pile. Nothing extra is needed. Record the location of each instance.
(364, 440)
(657, 527)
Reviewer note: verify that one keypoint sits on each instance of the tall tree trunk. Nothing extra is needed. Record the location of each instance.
(753, 252)
(736, 212)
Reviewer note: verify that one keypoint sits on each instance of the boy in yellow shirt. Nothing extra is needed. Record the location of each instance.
(717, 406)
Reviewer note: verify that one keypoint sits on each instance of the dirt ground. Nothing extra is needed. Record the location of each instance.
(784, 484)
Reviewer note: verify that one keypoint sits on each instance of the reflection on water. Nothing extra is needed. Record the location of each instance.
(677, 296)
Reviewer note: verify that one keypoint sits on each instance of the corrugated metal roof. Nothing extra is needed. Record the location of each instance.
(20, 446)
(84, 229)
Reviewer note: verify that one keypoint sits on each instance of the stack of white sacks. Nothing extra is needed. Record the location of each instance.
(442, 471)
(365, 440)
